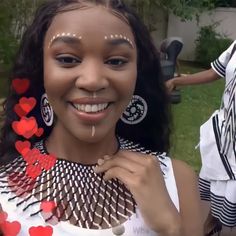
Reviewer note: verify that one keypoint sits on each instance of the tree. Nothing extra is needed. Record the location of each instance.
(185, 9)
(14, 17)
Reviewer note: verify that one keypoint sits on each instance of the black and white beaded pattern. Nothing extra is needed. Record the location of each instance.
(83, 198)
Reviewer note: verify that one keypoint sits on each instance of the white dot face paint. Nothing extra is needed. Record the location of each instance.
(93, 127)
(117, 36)
(63, 34)
(93, 131)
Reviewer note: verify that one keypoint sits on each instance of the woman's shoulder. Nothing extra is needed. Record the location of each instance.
(182, 168)
(186, 181)
(184, 174)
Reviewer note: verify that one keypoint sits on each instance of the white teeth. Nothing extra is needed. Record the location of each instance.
(95, 108)
(90, 108)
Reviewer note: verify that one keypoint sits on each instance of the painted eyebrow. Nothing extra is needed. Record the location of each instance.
(119, 41)
(77, 40)
(65, 39)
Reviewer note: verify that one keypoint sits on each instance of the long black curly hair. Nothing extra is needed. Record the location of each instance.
(153, 132)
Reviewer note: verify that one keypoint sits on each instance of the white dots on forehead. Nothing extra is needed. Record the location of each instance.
(119, 36)
(63, 34)
(106, 37)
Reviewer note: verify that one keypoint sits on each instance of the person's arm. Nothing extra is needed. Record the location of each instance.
(189, 199)
(202, 77)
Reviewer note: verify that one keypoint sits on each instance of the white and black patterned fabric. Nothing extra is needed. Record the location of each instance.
(86, 204)
(217, 146)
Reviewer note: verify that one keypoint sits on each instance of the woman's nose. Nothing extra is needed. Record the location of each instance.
(91, 77)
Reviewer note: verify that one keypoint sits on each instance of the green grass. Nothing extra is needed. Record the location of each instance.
(197, 104)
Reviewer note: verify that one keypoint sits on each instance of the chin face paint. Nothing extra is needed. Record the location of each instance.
(93, 131)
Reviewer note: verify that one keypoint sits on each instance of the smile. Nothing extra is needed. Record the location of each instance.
(90, 108)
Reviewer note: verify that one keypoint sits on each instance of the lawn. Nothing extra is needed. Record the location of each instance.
(198, 102)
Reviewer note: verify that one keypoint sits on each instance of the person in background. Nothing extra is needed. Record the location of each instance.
(217, 142)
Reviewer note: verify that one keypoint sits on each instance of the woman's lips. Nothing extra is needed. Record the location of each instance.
(90, 110)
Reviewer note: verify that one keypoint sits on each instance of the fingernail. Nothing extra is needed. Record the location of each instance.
(95, 169)
(101, 161)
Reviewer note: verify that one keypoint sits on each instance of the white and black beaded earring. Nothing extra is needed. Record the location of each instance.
(46, 110)
(136, 111)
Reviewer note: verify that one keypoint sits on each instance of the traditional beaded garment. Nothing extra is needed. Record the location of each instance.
(82, 197)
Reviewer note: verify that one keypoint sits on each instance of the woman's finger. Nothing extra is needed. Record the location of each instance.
(138, 157)
(119, 173)
(118, 161)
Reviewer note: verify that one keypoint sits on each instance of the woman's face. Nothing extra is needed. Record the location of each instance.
(90, 70)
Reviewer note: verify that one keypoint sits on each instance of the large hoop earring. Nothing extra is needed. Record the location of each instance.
(46, 110)
(136, 111)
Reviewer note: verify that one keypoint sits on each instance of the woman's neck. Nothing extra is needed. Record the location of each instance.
(66, 146)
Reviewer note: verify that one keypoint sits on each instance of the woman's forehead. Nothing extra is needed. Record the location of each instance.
(96, 21)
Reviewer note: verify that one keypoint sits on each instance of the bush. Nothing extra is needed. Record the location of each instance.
(209, 45)
(14, 17)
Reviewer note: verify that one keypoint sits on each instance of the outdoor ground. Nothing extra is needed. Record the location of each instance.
(197, 104)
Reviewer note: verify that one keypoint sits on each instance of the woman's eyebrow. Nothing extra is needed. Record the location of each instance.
(65, 39)
(119, 41)
(77, 40)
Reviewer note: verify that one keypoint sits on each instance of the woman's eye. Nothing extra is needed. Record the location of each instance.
(68, 60)
(116, 62)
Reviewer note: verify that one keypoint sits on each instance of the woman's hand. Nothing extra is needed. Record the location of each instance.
(143, 177)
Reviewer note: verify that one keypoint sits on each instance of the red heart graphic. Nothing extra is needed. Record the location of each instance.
(39, 132)
(33, 171)
(51, 219)
(47, 161)
(26, 127)
(32, 156)
(21, 184)
(22, 147)
(48, 206)
(27, 104)
(24, 106)
(40, 230)
(56, 215)
(18, 110)
(20, 85)
(10, 228)
(3, 216)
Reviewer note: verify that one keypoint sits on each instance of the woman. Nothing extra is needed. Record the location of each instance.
(83, 63)
(217, 143)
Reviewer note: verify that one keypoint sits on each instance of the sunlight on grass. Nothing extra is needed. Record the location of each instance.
(197, 104)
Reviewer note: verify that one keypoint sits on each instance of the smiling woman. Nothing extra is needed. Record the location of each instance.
(77, 67)
(82, 146)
